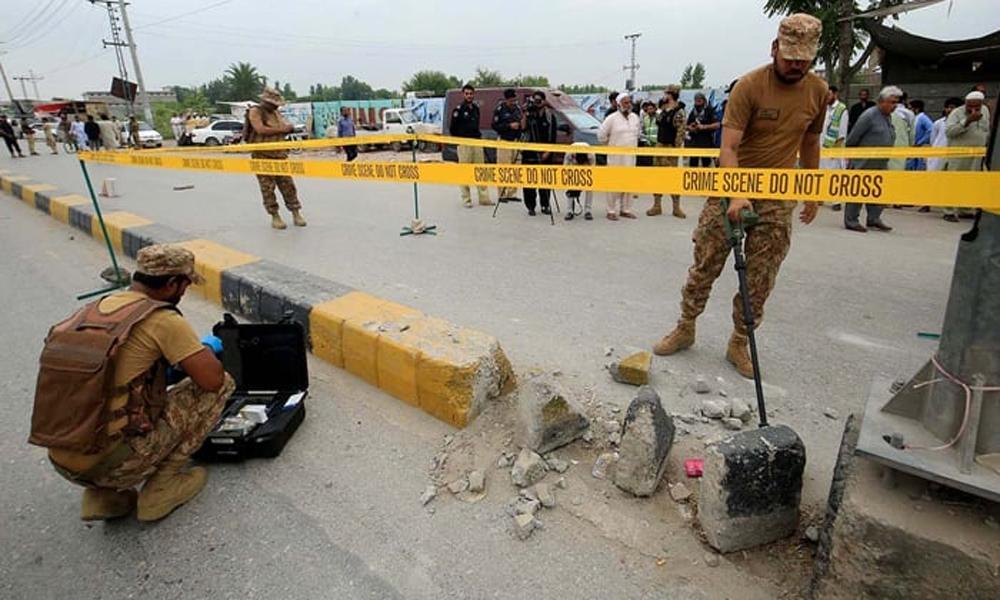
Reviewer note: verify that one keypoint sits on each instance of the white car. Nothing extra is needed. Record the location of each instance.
(217, 133)
(148, 137)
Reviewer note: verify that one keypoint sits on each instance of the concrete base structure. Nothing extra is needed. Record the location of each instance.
(751, 488)
(892, 535)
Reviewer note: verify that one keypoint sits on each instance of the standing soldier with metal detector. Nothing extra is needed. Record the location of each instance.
(775, 114)
(265, 124)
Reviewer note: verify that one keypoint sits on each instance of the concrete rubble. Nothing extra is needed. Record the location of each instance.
(557, 464)
(603, 465)
(715, 409)
(429, 493)
(648, 436)
(528, 469)
(550, 418)
(740, 409)
(732, 424)
(633, 369)
(524, 525)
(459, 485)
(679, 492)
(701, 386)
(545, 495)
(477, 482)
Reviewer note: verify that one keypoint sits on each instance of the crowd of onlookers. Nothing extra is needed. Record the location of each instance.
(82, 132)
(891, 120)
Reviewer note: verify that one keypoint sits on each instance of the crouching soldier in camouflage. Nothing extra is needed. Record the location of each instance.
(102, 407)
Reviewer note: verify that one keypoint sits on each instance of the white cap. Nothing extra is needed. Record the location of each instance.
(975, 95)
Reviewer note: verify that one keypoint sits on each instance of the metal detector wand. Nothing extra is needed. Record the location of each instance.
(736, 232)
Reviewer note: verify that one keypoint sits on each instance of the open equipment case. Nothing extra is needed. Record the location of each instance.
(268, 363)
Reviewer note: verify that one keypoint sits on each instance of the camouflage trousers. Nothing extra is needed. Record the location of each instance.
(288, 192)
(188, 417)
(765, 247)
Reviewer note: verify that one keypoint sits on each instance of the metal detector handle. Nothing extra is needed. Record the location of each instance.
(735, 232)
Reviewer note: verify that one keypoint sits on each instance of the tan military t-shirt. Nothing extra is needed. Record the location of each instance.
(774, 116)
(163, 334)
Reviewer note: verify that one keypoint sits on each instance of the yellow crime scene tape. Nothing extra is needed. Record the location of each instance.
(319, 144)
(932, 188)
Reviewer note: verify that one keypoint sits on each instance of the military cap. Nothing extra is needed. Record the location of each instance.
(798, 37)
(673, 87)
(271, 96)
(167, 259)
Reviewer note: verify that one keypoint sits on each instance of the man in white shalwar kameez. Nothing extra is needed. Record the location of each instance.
(620, 128)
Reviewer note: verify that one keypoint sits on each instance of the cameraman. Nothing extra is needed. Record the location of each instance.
(539, 128)
(508, 122)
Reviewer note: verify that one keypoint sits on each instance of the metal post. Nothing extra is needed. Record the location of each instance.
(107, 240)
(416, 227)
(143, 96)
(6, 83)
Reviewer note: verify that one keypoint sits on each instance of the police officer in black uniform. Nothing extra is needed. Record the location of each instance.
(508, 122)
(465, 124)
(539, 128)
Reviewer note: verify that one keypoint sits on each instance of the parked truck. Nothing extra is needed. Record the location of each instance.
(394, 121)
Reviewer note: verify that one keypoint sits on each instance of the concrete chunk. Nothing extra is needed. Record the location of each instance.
(648, 436)
(524, 525)
(528, 468)
(751, 487)
(633, 369)
(550, 418)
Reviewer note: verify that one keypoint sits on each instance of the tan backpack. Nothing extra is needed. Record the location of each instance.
(76, 376)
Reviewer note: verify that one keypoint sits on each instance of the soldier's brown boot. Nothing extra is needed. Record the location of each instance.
(101, 504)
(678, 212)
(657, 208)
(173, 484)
(276, 222)
(680, 338)
(297, 218)
(738, 353)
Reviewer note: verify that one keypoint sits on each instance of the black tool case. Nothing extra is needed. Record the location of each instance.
(268, 363)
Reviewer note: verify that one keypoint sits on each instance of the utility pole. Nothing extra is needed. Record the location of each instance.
(117, 43)
(34, 79)
(633, 66)
(24, 90)
(147, 111)
(6, 83)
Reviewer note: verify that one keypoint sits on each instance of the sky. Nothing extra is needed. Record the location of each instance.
(302, 42)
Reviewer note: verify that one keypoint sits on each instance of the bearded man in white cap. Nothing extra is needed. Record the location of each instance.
(967, 126)
(620, 128)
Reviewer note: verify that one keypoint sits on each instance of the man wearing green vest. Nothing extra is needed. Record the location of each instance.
(834, 130)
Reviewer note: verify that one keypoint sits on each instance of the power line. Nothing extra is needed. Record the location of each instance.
(26, 29)
(42, 33)
(182, 15)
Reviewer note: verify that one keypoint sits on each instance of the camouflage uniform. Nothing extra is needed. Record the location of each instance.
(766, 246)
(271, 118)
(187, 419)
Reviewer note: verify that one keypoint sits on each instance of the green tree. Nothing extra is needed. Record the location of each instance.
(698, 76)
(487, 78)
(384, 94)
(587, 88)
(352, 88)
(216, 90)
(436, 82)
(537, 81)
(842, 36)
(287, 92)
(244, 81)
(653, 87)
(687, 76)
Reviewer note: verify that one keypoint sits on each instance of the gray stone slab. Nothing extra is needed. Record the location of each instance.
(135, 238)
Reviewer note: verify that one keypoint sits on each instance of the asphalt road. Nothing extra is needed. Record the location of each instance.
(337, 515)
(846, 307)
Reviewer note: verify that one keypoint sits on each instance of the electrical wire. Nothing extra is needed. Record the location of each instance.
(43, 33)
(13, 31)
(182, 15)
(28, 29)
(968, 389)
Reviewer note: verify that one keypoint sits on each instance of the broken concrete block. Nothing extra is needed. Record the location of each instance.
(649, 433)
(633, 369)
(732, 424)
(679, 492)
(557, 464)
(458, 486)
(429, 493)
(524, 525)
(528, 469)
(701, 386)
(477, 481)
(603, 465)
(739, 409)
(751, 487)
(550, 418)
(545, 495)
(714, 409)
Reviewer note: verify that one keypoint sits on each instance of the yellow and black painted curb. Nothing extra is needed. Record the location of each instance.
(446, 370)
